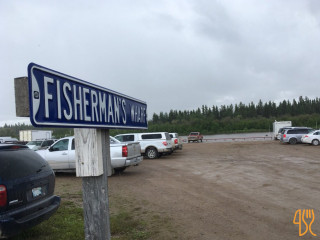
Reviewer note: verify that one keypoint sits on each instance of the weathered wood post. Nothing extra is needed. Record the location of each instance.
(59, 100)
(89, 143)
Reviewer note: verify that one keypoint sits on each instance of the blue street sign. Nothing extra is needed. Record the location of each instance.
(59, 100)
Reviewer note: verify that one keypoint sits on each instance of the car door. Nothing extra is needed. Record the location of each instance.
(58, 154)
(71, 155)
(316, 135)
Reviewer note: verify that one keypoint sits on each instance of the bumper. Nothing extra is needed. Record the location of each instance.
(178, 147)
(15, 221)
(165, 150)
(134, 161)
(306, 140)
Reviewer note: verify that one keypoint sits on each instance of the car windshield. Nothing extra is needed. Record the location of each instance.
(37, 143)
(194, 133)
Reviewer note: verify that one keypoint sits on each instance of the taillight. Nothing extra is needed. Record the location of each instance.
(3, 196)
(284, 135)
(124, 151)
(165, 143)
(176, 141)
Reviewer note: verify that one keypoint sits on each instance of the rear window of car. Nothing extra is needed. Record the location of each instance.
(20, 163)
(125, 138)
(37, 143)
(152, 136)
(47, 143)
(168, 137)
(299, 131)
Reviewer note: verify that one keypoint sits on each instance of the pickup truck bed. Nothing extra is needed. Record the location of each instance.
(61, 155)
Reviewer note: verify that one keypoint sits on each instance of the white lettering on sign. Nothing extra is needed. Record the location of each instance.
(68, 116)
(124, 118)
(138, 114)
(94, 107)
(79, 102)
(47, 95)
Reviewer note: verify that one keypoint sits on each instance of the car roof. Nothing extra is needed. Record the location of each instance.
(294, 128)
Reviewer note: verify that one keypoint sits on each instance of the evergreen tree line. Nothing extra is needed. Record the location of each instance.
(239, 117)
(241, 111)
(214, 120)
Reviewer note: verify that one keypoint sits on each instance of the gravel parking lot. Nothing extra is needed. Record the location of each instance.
(238, 190)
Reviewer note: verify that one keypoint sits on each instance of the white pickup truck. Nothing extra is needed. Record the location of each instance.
(153, 144)
(61, 155)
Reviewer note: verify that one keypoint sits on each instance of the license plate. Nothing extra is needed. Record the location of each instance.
(36, 192)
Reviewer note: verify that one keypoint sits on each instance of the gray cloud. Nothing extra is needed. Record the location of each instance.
(174, 55)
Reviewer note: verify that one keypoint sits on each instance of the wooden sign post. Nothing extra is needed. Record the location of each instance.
(59, 100)
(88, 143)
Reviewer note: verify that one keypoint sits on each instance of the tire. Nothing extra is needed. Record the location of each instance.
(293, 141)
(152, 153)
(315, 142)
(119, 170)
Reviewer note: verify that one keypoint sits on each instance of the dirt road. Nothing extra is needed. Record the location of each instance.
(243, 190)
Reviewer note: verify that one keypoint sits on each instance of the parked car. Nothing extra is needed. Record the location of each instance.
(26, 189)
(153, 144)
(293, 135)
(40, 144)
(61, 155)
(312, 138)
(176, 141)
(195, 137)
(8, 140)
(278, 136)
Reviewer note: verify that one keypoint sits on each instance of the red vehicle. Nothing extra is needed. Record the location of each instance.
(195, 137)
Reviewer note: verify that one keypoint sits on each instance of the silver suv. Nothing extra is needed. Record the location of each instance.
(153, 144)
(293, 135)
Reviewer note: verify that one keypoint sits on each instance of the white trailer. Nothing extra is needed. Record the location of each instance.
(277, 126)
(31, 135)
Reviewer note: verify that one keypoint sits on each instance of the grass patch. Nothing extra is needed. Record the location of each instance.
(66, 223)
(130, 219)
(124, 226)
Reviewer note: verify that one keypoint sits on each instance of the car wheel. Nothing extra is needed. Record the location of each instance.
(293, 141)
(119, 170)
(315, 142)
(152, 153)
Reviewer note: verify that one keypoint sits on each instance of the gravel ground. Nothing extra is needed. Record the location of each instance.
(237, 190)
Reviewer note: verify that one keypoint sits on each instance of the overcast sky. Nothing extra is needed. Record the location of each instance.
(176, 55)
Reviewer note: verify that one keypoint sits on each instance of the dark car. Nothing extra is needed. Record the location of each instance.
(26, 189)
